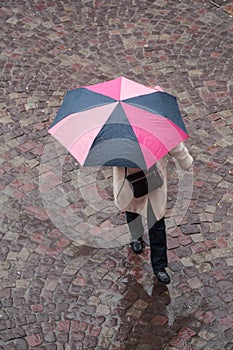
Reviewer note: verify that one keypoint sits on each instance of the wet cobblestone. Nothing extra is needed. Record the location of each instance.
(59, 290)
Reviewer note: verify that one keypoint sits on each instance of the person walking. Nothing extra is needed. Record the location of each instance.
(152, 206)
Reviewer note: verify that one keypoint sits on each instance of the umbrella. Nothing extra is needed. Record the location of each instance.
(119, 123)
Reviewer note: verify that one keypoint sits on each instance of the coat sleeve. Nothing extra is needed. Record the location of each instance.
(181, 154)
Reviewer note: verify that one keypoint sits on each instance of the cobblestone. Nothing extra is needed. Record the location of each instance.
(58, 289)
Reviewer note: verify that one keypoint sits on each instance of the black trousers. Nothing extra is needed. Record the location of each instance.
(157, 235)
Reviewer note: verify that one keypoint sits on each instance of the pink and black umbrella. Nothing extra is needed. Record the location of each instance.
(119, 123)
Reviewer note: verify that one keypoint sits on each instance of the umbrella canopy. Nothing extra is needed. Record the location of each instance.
(119, 123)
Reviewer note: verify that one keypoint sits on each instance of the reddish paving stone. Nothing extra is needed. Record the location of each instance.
(186, 333)
(18, 195)
(226, 322)
(37, 212)
(172, 256)
(94, 330)
(178, 343)
(63, 326)
(38, 237)
(109, 263)
(16, 183)
(210, 244)
(62, 243)
(55, 233)
(80, 281)
(160, 320)
(173, 243)
(37, 307)
(218, 275)
(34, 340)
(28, 187)
(207, 317)
(78, 326)
(176, 232)
(198, 247)
(222, 243)
(77, 336)
(184, 240)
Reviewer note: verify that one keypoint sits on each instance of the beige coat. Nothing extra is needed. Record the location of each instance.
(123, 195)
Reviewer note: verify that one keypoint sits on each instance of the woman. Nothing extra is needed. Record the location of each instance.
(151, 206)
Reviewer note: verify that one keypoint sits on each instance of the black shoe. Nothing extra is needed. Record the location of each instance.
(162, 276)
(137, 245)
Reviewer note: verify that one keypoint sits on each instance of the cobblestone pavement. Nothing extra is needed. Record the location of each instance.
(63, 284)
